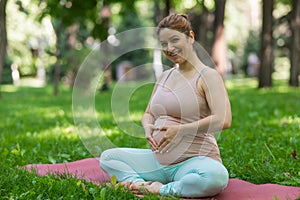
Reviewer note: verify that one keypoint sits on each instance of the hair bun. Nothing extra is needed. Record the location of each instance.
(178, 22)
(184, 16)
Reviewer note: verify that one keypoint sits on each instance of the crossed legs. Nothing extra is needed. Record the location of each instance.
(137, 168)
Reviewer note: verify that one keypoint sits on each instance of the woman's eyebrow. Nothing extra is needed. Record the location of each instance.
(173, 36)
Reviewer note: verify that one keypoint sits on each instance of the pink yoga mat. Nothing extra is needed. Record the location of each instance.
(89, 169)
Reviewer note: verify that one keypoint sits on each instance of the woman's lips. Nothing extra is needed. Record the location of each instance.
(173, 54)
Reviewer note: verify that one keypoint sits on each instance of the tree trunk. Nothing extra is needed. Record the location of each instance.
(200, 23)
(295, 45)
(219, 43)
(57, 71)
(3, 38)
(157, 12)
(71, 37)
(168, 7)
(202, 36)
(57, 68)
(266, 49)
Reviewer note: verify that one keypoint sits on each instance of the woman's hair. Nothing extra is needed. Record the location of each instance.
(178, 22)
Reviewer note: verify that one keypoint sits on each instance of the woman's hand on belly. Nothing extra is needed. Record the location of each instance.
(148, 131)
(170, 139)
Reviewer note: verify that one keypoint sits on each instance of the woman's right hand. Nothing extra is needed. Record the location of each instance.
(148, 131)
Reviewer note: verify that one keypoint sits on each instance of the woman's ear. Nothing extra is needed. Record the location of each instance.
(192, 36)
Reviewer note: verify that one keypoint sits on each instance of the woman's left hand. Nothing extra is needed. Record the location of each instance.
(170, 139)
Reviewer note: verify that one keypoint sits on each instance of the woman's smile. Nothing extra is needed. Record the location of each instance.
(173, 54)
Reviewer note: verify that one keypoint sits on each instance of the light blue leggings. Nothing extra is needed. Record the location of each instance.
(199, 176)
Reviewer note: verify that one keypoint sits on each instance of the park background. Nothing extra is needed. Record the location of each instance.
(44, 43)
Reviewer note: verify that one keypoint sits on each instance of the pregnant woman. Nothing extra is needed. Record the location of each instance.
(188, 105)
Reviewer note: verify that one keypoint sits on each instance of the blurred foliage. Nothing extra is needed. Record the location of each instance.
(26, 35)
(31, 28)
(286, 2)
(129, 21)
(69, 12)
(70, 63)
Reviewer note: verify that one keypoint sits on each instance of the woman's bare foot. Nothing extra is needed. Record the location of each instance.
(125, 184)
(154, 187)
(139, 185)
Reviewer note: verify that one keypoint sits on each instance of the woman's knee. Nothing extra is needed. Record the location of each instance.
(104, 156)
(107, 156)
(203, 185)
(216, 181)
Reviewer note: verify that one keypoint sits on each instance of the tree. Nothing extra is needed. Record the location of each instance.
(218, 51)
(168, 7)
(161, 9)
(84, 14)
(266, 48)
(3, 37)
(57, 69)
(204, 24)
(199, 16)
(65, 15)
(295, 45)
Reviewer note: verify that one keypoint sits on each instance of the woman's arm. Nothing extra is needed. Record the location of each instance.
(212, 85)
(148, 119)
(148, 125)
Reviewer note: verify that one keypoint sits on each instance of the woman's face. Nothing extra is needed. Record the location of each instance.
(176, 45)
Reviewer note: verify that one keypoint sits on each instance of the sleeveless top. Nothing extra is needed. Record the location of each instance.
(179, 106)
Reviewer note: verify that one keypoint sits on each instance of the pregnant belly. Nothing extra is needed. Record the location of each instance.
(175, 155)
(161, 122)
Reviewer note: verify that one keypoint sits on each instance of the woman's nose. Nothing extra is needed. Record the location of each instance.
(170, 47)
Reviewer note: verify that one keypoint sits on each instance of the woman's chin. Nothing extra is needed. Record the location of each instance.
(178, 60)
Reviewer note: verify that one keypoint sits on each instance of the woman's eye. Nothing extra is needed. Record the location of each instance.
(174, 40)
(163, 44)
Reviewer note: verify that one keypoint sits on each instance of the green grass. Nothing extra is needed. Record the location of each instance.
(265, 132)
(36, 127)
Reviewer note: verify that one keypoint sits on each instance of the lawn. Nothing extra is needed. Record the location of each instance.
(261, 146)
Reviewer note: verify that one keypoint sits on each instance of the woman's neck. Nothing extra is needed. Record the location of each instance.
(192, 63)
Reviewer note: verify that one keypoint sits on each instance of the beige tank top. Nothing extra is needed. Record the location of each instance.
(180, 106)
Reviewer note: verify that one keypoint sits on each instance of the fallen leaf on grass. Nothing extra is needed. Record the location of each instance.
(287, 175)
(294, 154)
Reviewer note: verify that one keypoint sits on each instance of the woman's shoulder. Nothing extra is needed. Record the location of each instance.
(210, 77)
(209, 72)
(165, 73)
